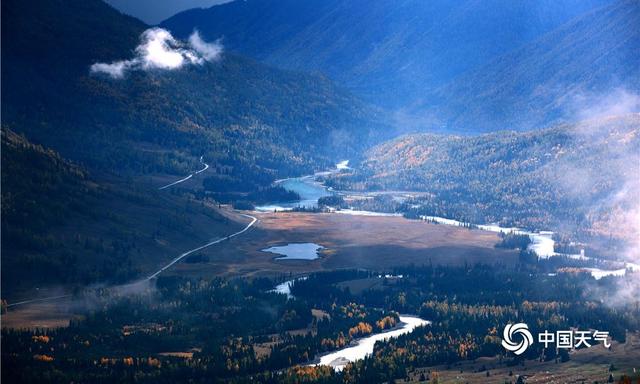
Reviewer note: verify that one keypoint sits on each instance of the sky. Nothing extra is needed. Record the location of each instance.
(154, 11)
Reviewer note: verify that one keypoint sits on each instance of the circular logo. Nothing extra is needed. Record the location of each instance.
(512, 330)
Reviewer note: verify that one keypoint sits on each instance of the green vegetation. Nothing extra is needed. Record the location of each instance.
(38, 188)
(514, 241)
(576, 179)
(62, 225)
(273, 194)
(447, 66)
(252, 123)
(334, 201)
(243, 205)
(238, 331)
(83, 156)
(77, 205)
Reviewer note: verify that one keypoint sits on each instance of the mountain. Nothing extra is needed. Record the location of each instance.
(253, 122)
(580, 178)
(390, 52)
(586, 67)
(463, 66)
(63, 225)
(83, 153)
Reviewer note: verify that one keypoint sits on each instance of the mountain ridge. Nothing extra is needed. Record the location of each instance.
(126, 137)
(417, 58)
(554, 79)
(253, 118)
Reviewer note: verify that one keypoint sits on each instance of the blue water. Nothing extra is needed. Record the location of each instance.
(307, 187)
(296, 251)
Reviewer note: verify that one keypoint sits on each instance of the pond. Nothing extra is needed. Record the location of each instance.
(296, 251)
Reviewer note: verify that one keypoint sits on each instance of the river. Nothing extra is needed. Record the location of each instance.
(285, 287)
(310, 190)
(359, 348)
(363, 347)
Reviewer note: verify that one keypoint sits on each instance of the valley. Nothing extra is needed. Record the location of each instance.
(391, 242)
(366, 243)
(350, 238)
(320, 191)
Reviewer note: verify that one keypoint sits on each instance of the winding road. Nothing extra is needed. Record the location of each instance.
(175, 260)
(155, 274)
(206, 166)
(37, 300)
(253, 221)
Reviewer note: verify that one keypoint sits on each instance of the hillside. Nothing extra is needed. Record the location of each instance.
(585, 68)
(576, 178)
(64, 226)
(251, 122)
(428, 61)
(83, 154)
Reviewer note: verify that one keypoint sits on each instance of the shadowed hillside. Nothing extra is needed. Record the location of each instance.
(577, 71)
(463, 66)
(254, 122)
(61, 225)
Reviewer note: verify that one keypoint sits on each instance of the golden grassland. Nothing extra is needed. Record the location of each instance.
(376, 243)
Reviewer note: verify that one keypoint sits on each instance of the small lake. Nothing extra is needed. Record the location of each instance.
(296, 251)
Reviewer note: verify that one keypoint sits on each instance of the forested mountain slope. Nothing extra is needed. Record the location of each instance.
(63, 225)
(581, 177)
(389, 51)
(79, 148)
(461, 67)
(587, 67)
(256, 122)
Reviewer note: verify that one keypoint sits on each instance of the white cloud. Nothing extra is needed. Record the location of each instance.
(115, 69)
(158, 49)
(208, 51)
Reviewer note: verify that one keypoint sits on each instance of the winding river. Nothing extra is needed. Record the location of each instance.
(310, 189)
(363, 347)
(359, 348)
